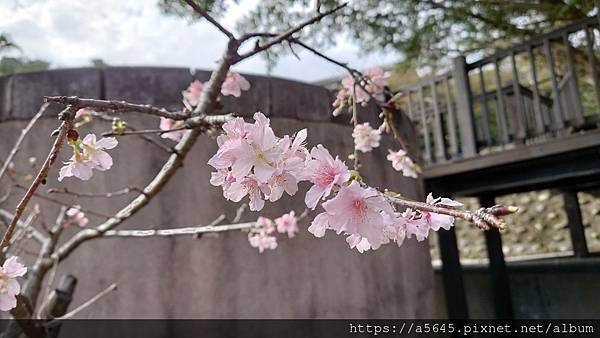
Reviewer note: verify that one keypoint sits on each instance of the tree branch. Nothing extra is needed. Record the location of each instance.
(67, 116)
(200, 10)
(193, 230)
(117, 106)
(288, 34)
(66, 191)
(24, 133)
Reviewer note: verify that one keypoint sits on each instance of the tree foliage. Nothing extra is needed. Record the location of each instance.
(424, 31)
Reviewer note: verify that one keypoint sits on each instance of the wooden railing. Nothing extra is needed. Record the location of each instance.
(529, 93)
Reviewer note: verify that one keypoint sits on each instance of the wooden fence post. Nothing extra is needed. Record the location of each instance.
(466, 120)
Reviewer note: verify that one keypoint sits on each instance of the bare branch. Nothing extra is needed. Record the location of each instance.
(116, 106)
(145, 131)
(24, 133)
(66, 191)
(83, 306)
(198, 9)
(67, 116)
(187, 231)
(37, 235)
(288, 34)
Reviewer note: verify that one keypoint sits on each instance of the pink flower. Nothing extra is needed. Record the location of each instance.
(365, 137)
(234, 137)
(260, 236)
(234, 84)
(78, 166)
(401, 162)
(287, 223)
(9, 287)
(417, 227)
(88, 155)
(94, 151)
(168, 124)
(376, 80)
(192, 94)
(260, 151)
(319, 225)
(360, 243)
(251, 187)
(265, 225)
(361, 95)
(262, 241)
(324, 172)
(76, 216)
(357, 210)
(437, 221)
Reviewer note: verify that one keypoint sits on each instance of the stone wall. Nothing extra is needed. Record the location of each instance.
(214, 277)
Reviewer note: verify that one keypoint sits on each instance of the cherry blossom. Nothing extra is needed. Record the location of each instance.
(358, 210)
(324, 172)
(360, 243)
(437, 221)
(76, 216)
(234, 84)
(250, 186)
(359, 93)
(365, 137)
(403, 163)
(168, 124)
(260, 237)
(319, 225)
(9, 286)
(192, 94)
(415, 226)
(252, 161)
(376, 80)
(88, 154)
(287, 223)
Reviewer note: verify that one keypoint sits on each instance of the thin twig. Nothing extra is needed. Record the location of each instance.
(145, 131)
(24, 133)
(117, 106)
(66, 191)
(65, 126)
(65, 204)
(286, 35)
(200, 10)
(83, 306)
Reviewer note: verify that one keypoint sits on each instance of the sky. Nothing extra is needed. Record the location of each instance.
(70, 33)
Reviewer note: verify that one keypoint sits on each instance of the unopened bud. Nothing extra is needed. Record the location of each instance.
(72, 135)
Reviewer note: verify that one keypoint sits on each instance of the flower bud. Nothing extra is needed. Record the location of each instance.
(72, 136)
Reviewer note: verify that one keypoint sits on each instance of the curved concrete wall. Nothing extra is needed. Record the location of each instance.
(216, 277)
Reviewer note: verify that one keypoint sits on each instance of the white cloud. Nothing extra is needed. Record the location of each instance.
(69, 33)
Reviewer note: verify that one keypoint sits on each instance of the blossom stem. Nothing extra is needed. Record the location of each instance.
(483, 218)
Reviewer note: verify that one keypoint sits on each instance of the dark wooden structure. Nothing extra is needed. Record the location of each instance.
(526, 127)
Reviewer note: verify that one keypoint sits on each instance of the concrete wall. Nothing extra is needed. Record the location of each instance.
(215, 277)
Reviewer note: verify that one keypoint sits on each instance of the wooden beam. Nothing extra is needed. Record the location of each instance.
(466, 123)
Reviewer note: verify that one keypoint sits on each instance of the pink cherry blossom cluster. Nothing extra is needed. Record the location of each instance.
(262, 235)
(373, 82)
(74, 216)
(365, 137)
(252, 161)
(88, 154)
(403, 163)
(9, 286)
